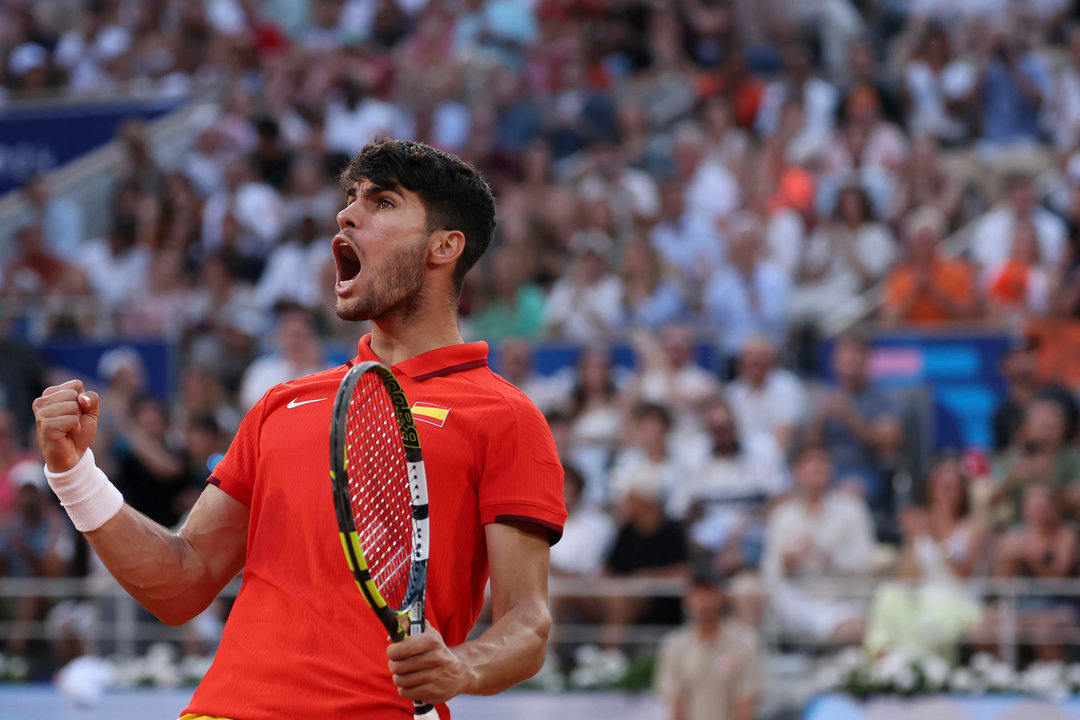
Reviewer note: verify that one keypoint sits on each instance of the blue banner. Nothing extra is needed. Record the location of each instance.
(943, 707)
(42, 138)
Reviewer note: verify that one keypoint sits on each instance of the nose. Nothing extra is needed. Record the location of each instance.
(347, 216)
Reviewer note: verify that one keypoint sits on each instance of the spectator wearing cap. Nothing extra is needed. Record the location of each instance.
(585, 304)
(709, 669)
(928, 287)
(995, 232)
(817, 533)
(750, 294)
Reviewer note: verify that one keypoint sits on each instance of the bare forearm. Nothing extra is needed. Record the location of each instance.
(157, 567)
(510, 651)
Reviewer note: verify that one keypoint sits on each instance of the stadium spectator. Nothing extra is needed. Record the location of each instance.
(1044, 546)
(651, 297)
(294, 268)
(22, 373)
(922, 182)
(686, 241)
(11, 454)
(586, 303)
(939, 89)
(252, 204)
(35, 270)
(928, 287)
(117, 266)
(298, 353)
(750, 294)
(993, 238)
(1063, 101)
(149, 470)
(1019, 286)
(841, 258)
(710, 189)
(860, 428)
(819, 532)
(509, 305)
(1043, 454)
(60, 219)
(535, 197)
(1017, 365)
(944, 544)
(122, 373)
(724, 495)
(766, 398)
(1013, 84)
(647, 544)
(816, 98)
(646, 458)
(631, 194)
(710, 669)
(35, 542)
(864, 71)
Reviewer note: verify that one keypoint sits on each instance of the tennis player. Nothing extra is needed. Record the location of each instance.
(299, 642)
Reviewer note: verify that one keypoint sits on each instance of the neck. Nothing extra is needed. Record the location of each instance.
(394, 340)
(708, 627)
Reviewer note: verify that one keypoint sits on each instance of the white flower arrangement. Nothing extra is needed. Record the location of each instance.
(906, 673)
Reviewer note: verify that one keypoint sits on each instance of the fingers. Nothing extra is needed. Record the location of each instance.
(90, 403)
(75, 385)
(415, 645)
(417, 663)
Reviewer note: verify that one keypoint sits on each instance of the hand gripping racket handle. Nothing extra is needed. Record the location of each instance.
(421, 709)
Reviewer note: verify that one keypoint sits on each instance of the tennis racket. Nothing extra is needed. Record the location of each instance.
(380, 498)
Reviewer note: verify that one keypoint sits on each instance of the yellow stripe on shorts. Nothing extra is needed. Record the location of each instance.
(191, 716)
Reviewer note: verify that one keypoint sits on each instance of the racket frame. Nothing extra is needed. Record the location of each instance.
(413, 605)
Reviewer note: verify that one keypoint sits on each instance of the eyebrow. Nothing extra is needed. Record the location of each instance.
(373, 189)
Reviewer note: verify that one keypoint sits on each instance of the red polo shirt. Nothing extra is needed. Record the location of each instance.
(300, 642)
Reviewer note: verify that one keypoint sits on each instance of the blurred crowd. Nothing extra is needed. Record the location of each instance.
(716, 183)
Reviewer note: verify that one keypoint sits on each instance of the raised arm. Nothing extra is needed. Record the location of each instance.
(509, 651)
(173, 575)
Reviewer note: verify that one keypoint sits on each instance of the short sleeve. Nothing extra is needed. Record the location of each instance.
(235, 474)
(522, 478)
(668, 680)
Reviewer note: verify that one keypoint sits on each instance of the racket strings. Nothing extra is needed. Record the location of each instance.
(379, 492)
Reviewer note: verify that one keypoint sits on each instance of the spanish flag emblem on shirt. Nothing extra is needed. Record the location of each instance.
(429, 413)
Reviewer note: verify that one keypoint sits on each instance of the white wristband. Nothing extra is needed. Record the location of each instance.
(86, 493)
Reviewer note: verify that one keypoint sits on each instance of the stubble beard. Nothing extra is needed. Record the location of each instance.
(395, 295)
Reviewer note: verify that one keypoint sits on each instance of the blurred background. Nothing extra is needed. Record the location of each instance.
(795, 282)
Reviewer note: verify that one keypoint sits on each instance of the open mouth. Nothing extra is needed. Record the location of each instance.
(348, 263)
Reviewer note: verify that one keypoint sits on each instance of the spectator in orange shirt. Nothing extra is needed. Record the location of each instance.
(928, 287)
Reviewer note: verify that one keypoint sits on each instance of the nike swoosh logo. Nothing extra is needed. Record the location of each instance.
(294, 403)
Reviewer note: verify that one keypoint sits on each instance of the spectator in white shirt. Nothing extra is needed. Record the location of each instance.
(750, 294)
(299, 353)
(994, 234)
(647, 460)
(586, 303)
(294, 269)
(765, 398)
(587, 533)
(668, 375)
(817, 534)
(255, 206)
(938, 87)
(631, 193)
(725, 493)
(686, 240)
(116, 266)
(817, 97)
(712, 191)
(61, 219)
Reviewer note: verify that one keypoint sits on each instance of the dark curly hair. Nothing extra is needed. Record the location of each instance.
(454, 195)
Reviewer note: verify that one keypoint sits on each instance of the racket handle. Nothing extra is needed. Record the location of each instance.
(422, 709)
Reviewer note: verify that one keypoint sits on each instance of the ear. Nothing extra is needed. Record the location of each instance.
(445, 247)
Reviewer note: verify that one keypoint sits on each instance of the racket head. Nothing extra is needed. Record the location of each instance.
(380, 494)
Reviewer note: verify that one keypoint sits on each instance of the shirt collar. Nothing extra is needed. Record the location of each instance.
(433, 363)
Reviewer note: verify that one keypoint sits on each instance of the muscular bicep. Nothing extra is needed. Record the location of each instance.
(216, 531)
(518, 555)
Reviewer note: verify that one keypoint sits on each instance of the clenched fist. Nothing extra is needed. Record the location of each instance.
(67, 418)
